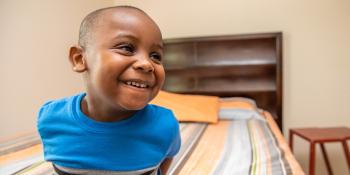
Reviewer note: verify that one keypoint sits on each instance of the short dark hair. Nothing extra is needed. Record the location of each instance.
(89, 23)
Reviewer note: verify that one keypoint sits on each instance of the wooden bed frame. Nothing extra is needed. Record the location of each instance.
(248, 65)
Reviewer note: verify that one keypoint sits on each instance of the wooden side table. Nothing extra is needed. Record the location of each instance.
(321, 136)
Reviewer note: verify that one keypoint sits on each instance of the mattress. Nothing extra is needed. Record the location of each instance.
(245, 140)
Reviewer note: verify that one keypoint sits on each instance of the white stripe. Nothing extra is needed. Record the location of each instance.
(237, 151)
(279, 153)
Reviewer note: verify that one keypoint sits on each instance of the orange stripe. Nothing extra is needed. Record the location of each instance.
(208, 151)
(20, 155)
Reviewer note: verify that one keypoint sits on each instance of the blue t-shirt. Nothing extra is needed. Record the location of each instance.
(73, 140)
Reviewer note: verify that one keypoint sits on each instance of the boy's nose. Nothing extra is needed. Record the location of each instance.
(143, 64)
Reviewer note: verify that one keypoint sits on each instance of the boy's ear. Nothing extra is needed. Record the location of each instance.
(77, 59)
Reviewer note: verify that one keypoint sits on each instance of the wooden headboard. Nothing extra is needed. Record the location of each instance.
(248, 65)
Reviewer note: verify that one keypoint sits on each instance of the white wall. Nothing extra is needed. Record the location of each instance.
(35, 37)
(316, 53)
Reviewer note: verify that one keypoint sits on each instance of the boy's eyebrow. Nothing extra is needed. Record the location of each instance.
(134, 38)
(160, 45)
(126, 35)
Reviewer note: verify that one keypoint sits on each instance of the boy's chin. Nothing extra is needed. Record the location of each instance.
(134, 106)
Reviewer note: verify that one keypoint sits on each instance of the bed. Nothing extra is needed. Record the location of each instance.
(241, 75)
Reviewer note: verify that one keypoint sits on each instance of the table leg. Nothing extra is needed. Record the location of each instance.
(291, 140)
(346, 151)
(312, 159)
(325, 156)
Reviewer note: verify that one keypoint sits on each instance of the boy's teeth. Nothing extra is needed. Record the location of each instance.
(139, 85)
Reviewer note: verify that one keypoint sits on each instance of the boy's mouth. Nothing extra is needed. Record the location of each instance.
(137, 83)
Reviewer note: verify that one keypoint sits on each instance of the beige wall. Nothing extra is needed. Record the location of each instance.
(35, 38)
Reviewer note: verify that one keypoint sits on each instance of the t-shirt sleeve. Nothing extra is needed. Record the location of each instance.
(176, 142)
(42, 113)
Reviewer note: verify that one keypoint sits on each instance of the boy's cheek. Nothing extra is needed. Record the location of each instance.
(162, 74)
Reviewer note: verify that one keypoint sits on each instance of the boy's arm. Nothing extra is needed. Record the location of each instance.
(165, 165)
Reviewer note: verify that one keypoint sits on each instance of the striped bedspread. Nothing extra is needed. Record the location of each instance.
(247, 143)
(243, 142)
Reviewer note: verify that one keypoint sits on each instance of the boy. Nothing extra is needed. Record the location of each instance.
(111, 129)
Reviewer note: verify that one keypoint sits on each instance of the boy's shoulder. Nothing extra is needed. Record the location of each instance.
(161, 114)
(161, 110)
(58, 105)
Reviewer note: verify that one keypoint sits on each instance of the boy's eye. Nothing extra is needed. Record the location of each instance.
(129, 48)
(156, 56)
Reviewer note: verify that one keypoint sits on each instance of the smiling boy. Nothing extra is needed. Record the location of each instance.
(111, 129)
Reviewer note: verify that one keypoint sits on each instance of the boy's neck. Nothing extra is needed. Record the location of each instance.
(102, 114)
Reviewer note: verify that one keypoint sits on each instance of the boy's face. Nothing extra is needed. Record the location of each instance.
(124, 69)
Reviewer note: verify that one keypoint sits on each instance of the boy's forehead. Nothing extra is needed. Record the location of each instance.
(129, 20)
(122, 14)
